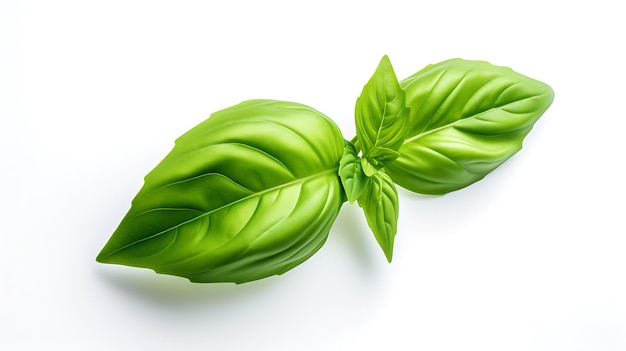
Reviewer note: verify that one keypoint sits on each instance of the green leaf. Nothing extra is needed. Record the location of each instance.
(380, 205)
(351, 173)
(467, 118)
(381, 116)
(368, 168)
(381, 156)
(249, 193)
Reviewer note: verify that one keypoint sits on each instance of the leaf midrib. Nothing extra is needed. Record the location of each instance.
(419, 135)
(260, 193)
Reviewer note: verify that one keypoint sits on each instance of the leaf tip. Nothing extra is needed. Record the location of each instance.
(387, 246)
(385, 66)
(389, 254)
(550, 94)
(106, 255)
(385, 59)
(101, 258)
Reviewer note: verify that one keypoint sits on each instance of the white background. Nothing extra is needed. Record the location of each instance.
(93, 94)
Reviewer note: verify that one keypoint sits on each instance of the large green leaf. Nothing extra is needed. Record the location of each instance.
(467, 118)
(380, 205)
(249, 193)
(381, 117)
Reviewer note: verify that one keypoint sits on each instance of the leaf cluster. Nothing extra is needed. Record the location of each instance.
(254, 190)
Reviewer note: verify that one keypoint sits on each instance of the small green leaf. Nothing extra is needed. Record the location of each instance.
(380, 205)
(381, 116)
(251, 192)
(380, 156)
(368, 168)
(467, 118)
(351, 173)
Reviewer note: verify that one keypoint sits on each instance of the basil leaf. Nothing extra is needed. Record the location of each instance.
(351, 173)
(368, 168)
(467, 118)
(380, 205)
(249, 193)
(381, 116)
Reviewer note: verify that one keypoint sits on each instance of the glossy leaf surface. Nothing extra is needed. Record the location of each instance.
(381, 116)
(380, 205)
(467, 118)
(351, 173)
(249, 193)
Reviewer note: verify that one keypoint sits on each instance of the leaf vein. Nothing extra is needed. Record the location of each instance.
(260, 193)
(501, 107)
